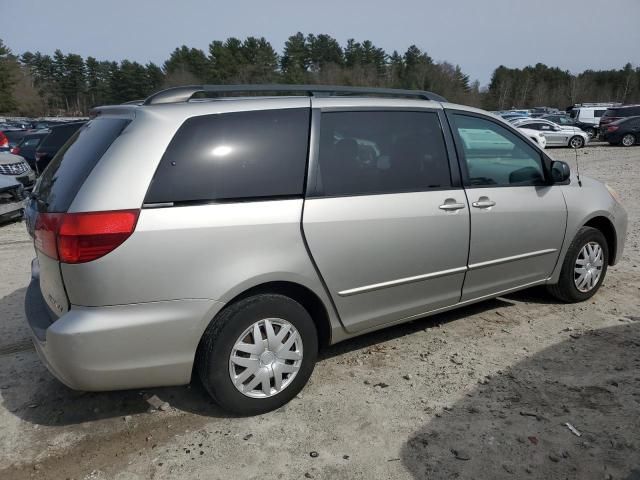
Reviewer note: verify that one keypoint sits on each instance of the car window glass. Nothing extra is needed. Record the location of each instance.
(598, 113)
(495, 156)
(31, 142)
(381, 152)
(234, 155)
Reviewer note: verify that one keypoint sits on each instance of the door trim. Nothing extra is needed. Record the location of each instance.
(442, 273)
(401, 281)
(498, 261)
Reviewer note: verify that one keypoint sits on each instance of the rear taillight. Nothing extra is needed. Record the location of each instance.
(45, 232)
(83, 237)
(15, 150)
(4, 141)
(612, 128)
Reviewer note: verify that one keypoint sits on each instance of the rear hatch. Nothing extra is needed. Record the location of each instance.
(53, 195)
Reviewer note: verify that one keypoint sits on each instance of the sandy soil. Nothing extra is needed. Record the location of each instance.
(482, 392)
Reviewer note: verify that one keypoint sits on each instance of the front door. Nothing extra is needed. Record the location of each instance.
(518, 218)
(384, 223)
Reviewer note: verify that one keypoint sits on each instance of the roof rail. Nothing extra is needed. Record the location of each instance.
(184, 94)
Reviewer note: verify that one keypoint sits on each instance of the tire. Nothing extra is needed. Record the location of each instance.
(231, 332)
(576, 142)
(628, 140)
(567, 289)
(591, 132)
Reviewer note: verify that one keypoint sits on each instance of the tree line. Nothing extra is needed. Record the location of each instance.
(34, 84)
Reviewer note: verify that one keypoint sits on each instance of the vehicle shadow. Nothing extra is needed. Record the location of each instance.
(14, 332)
(515, 426)
(30, 392)
(536, 295)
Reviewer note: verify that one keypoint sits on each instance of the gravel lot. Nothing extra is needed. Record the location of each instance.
(482, 392)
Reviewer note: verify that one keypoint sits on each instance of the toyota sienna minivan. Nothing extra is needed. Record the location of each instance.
(234, 236)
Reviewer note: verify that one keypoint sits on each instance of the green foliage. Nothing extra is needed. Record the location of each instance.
(68, 84)
(8, 79)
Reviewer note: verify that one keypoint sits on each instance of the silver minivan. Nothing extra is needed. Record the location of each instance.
(235, 236)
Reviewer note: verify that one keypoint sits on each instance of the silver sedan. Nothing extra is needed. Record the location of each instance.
(556, 135)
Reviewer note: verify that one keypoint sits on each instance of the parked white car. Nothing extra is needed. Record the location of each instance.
(556, 135)
(536, 136)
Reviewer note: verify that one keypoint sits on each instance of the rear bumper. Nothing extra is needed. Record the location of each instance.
(119, 347)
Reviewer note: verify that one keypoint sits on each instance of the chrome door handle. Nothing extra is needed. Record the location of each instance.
(451, 206)
(483, 202)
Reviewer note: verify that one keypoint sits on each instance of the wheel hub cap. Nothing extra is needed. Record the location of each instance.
(266, 358)
(588, 267)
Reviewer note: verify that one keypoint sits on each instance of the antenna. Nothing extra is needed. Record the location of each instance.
(577, 167)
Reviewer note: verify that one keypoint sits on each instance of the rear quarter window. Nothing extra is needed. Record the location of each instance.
(240, 155)
(62, 179)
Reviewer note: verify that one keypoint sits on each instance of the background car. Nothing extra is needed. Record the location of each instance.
(556, 135)
(587, 116)
(11, 199)
(536, 136)
(559, 118)
(17, 168)
(50, 145)
(625, 132)
(616, 113)
(28, 145)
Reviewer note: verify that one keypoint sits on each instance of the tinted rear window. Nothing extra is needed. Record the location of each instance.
(623, 112)
(62, 179)
(367, 153)
(234, 155)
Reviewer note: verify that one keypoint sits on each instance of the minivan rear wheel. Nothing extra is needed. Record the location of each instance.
(257, 354)
(584, 267)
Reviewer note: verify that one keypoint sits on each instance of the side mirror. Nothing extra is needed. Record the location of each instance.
(560, 172)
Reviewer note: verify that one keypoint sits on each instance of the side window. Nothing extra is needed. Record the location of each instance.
(381, 152)
(544, 127)
(495, 156)
(598, 113)
(234, 155)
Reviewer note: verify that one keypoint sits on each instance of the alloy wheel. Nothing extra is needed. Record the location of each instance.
(628, 140)
(588, 267)
(576, 142)
(266, 358)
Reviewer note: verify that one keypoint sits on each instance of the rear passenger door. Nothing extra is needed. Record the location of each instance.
(385, 218)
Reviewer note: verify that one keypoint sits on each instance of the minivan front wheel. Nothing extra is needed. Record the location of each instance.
(258, 353)
(584, 267)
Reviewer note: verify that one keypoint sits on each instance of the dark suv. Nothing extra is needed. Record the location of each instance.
(50, 145)
(616, 113)
(625, 132)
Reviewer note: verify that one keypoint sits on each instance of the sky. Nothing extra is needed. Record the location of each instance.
(479, 35)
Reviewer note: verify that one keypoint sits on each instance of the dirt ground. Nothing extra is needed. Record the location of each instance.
(487, 391)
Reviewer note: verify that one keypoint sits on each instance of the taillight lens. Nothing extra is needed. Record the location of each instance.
(4, 141)
(15, 150)
(45, 232)
(83, 237)
(612, 128)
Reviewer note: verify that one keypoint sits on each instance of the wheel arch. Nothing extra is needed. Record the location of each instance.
(608, 230)
(302, 294)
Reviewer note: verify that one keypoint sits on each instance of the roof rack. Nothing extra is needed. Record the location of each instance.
(184, 94)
